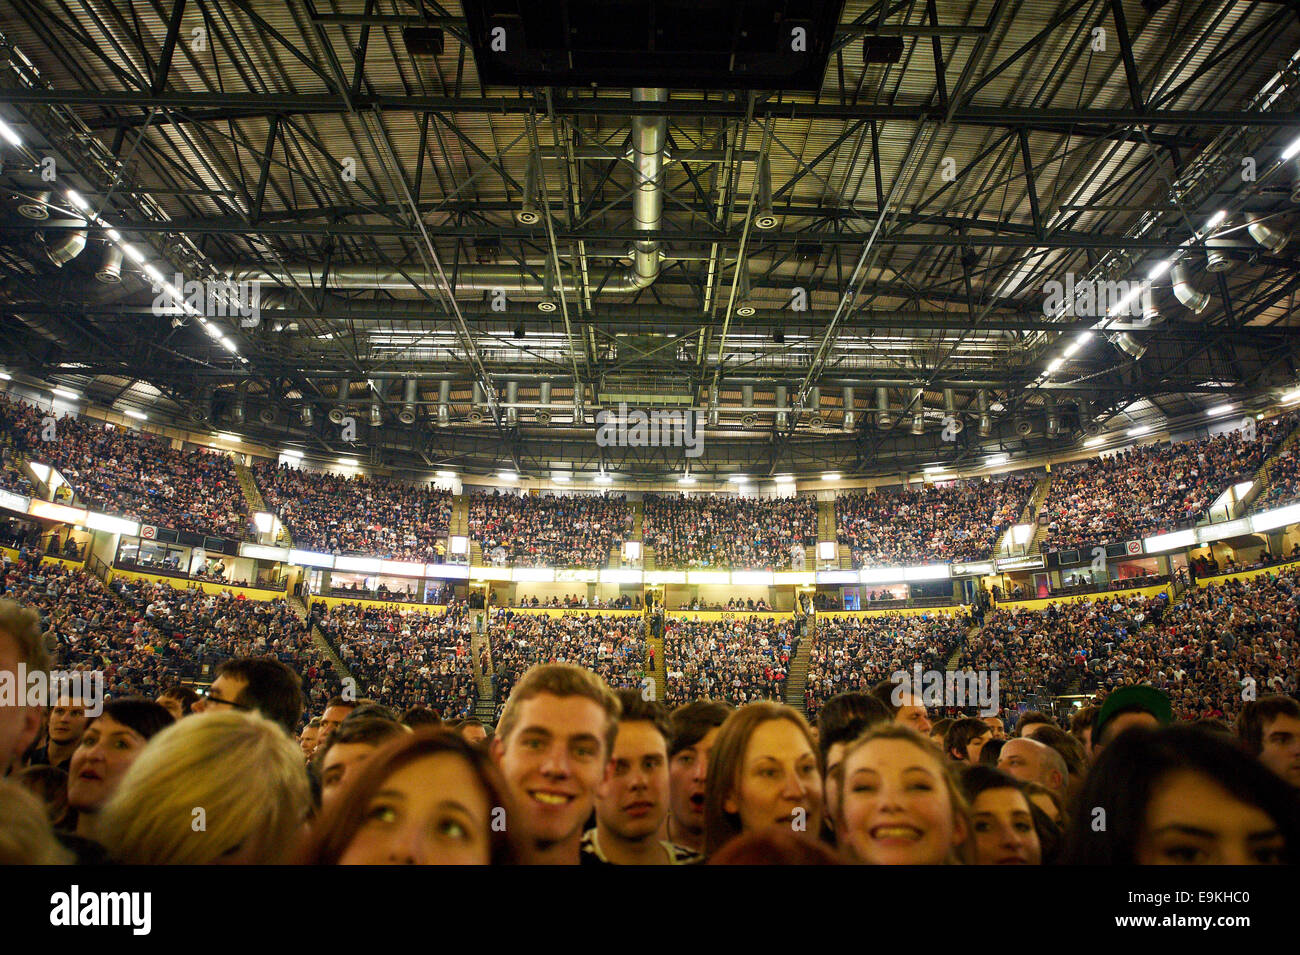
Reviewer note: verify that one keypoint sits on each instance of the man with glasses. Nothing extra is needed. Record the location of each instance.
(256, 683)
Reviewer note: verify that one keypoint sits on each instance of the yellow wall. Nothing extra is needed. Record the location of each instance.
(1246, 574)
(901, 611)
(585, 611)
(1042, 602)
(70, 564)
(331, 602)
(252, 593)
(720, 614)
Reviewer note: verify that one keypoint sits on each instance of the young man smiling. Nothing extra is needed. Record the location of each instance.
(632, 801)
(553, 746)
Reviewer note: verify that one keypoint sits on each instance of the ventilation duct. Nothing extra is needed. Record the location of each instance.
(376, 415)
(952, 422)
(410, 411)
(550, 298)
(579, 412)
(476, 402)
(1053, 417)
(444, 403)
(1217, 260)
(1268, 237)
(110, 272)
(266, 414)
(306, 415)
(782, 397)
(985, 427)
(1295, 182)
(340, 409)
(1186, 293)
(543, 415)
(67, 248)
(36, 207)
(1024, 427)
(713, 406)
(512, 400)
(241, 399)
(884, 417)
(749, 419)
(745, 304)
(918, 415)
(815, 419)
(1129, 345)
(529, 210)
(764, 217)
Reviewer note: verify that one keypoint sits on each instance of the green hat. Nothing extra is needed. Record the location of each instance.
(1130, 698)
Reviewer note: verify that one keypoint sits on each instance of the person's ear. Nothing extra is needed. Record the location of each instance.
(497, 750)
(959, 830)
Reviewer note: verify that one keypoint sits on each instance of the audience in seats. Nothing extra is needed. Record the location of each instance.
(735, 660)
(961, 520)
(129, 473)
(1153, 488)
(549, 530)
(340, 514)
(403, 657)
(741, 533)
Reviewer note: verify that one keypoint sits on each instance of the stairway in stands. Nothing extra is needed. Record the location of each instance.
(246, 484)
(660, 672)
(300, 611)
(796, 681)
(459, 526)
(1264, 477)
(1030, 516)
(486, 707)
(956, 654)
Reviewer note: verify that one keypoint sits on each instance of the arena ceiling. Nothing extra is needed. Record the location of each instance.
(471, 272)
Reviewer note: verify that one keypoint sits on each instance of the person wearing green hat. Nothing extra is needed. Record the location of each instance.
(1127, 707)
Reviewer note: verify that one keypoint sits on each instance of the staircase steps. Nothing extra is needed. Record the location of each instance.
(1264, 477)
(796, 681)
(486, 707)
(826, 527)
(299, 609)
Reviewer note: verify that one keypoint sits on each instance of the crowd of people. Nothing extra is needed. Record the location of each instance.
(356, 514)
(735, 659)
(1284, 479)
(855, 653)
(549, 530)
(1152, 488)
(739, 533)
(612, 646)
(1204, 648)
(128, 473)
(959, 520)
(405, 658)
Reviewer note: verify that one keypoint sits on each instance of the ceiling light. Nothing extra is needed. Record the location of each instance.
(561, 478)
(289, 453)
(603, 478)
(686, 479)
(1220, 410)
(137, 415)
(114, 235)
(447, 475)
(508, 475)
(996, 459)
(1286, 153)
(1159, 269)
(784, 479)
(8, 133)
(65, 393)
(739, 479)
(350, 462)
(934, 469)
(1072, 349)
(1054, 365)
(1139, 430)
(831, 476)
(1215, 219)
(154, 274)
(132, 253)
(5, 376)
(1289, 398)
(1093, 442)
(77, 200)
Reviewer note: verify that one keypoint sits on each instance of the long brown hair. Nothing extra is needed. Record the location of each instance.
(338, 825)
(725, 759)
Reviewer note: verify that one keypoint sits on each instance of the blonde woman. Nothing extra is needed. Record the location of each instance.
(216, 788)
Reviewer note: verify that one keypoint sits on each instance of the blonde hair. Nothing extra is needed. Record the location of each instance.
(24, 625)
(26, 837)
(206, 786)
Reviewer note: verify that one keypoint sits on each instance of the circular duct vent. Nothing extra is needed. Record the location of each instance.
(476, 417)
(1024, 427)
(35, 207)
(543, 417)
(337, 415)
(749, 421)
(816, 421)
(266, 415)
(547, 306)
(406, 416)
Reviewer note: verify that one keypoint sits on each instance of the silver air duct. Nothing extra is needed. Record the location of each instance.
(476, 415)
(1129, 345)
(340, 409)
(1217, 260)
(529, 211)
(110, 272)
(815, 419)
(884, 417)
(543, 415)
(512, 399)
(67, 248)
(241, 398)
(764, 217)
(918, 415)
(1269, 238)
(36, 207)
(376, 415)
(409, 411)
(444, 403)
(307, 415)
(1186, 293)
(1053, 417)
(749, 419)
(985, 419)
(953, 422)
(745, 304)
(782, 397)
